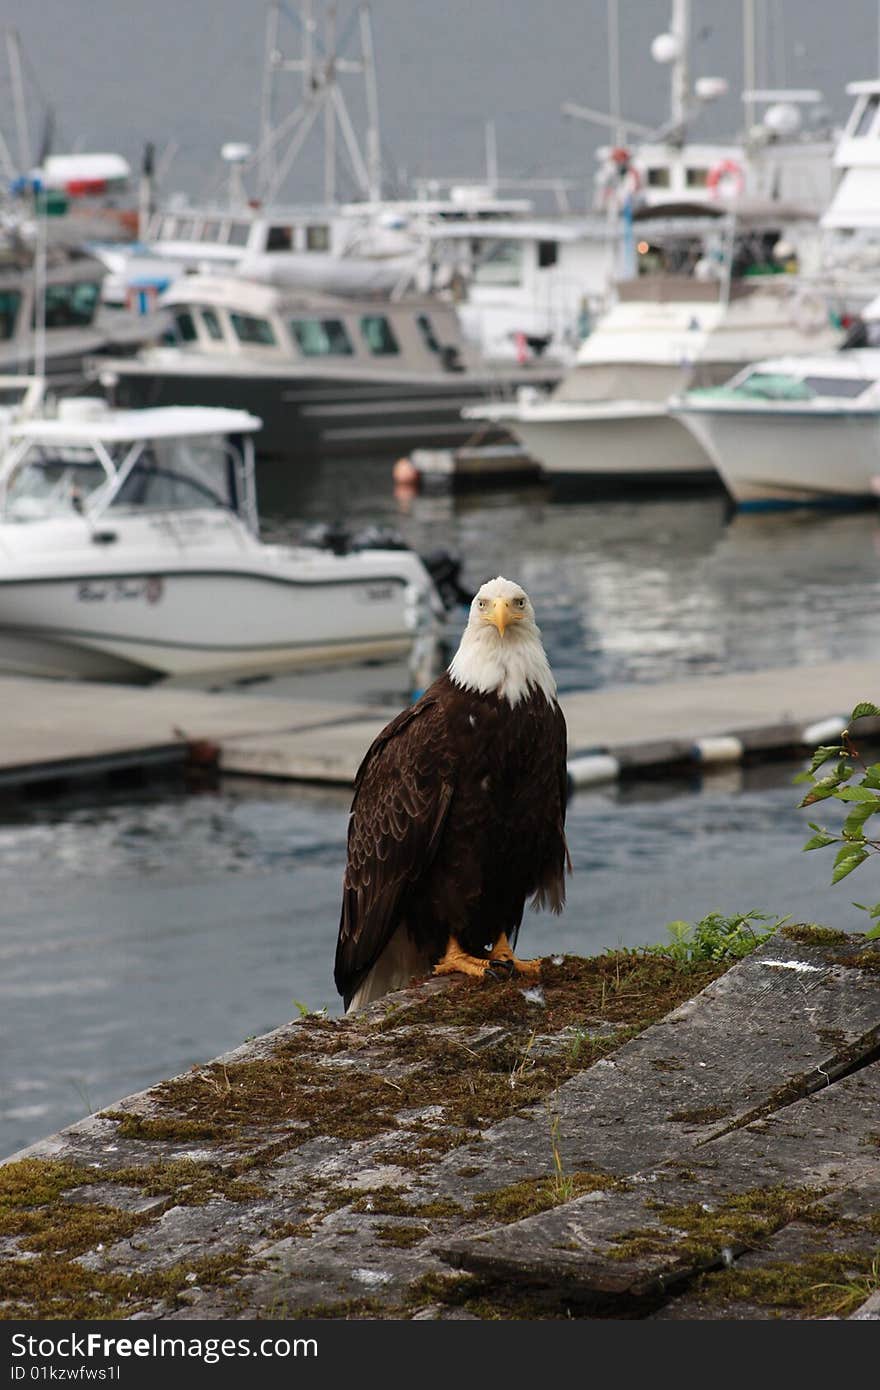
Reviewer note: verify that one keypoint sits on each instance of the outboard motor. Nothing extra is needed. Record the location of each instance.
(445, 570)
(328, 535)
(377, 537)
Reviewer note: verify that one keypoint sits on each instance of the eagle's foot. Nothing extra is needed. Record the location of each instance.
(502, 957)
(500, 967)
(458, 962)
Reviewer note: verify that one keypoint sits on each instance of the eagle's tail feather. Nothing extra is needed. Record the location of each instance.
(401, 961)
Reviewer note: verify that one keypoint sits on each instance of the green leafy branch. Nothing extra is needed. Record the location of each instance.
(857, 785)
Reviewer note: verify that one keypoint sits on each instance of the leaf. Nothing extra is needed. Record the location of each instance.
(820, 841)
(849, 858)
(862, 794)
(872, 777)
(871, 911)
(873, 932)
(819, 793)
(856, 818)
(864, 710)
(823, 754)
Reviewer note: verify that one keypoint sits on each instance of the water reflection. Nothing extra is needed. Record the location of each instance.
(641, 590)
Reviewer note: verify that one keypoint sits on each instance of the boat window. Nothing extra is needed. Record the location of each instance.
(379, 335)
(321, 337)
(427, 331)
(548, 254)
(696, 178)
(168, 228)
(249, 329)
(658, 178)
(318, 238)
(70, 306)
(185, 325)
(186, 230)
(53, 482)
(178, 474)
(773, 386)
(849, 387)
(867, 114)
(211, 231)
(279, 239)
(501, 265)
(239, 232)
(10, 303)
(212, 325)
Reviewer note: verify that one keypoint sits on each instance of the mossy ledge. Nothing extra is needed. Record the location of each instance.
(389, 1134)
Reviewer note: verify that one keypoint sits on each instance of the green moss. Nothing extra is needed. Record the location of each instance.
(33, 1181)
(809, 934)
(865, 960)
(164, 1130)
(532, 1195)
(690, 1235)
(817, 1286)
(401, 1235)
(390, 1201)
(36, 1210)
(57, 1287)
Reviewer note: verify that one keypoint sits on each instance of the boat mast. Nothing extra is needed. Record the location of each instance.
(680, 85)
(750, 77)
(13, 49)
(321, 63)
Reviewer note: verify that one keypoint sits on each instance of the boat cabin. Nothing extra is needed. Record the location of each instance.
(89, 460)
(71, 299)
(265, 325)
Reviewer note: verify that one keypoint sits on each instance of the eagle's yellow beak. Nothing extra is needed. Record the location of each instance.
(502, 614)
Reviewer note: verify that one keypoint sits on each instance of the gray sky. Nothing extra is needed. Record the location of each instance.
(119, 73)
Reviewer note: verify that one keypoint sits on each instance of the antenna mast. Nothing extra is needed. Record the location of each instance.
(320, 61)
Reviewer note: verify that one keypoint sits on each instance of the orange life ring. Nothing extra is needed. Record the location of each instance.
(724, 172)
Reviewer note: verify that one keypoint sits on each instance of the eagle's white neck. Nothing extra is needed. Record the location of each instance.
(511, 666)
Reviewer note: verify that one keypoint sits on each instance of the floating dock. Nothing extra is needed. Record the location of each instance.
(635, 1138)
(474, 465)
(55, 732)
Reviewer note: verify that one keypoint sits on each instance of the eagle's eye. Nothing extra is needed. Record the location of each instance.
(520, 602)
(481, 603)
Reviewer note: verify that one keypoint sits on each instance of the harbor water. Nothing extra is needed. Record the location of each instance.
(143, 934)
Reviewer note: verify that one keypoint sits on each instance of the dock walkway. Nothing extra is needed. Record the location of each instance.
(52, 730)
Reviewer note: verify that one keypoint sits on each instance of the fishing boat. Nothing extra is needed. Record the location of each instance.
(358, 370)
(130, 550)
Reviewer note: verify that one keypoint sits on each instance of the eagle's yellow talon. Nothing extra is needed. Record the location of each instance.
(457, 961)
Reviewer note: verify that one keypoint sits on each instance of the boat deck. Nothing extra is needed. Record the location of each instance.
(61, 730)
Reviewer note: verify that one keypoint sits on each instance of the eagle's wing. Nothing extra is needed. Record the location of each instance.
(551, 788)
(402, 794)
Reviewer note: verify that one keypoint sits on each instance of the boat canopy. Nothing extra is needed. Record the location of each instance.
(123, 426)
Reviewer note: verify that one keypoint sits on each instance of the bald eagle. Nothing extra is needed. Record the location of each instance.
(458, 814)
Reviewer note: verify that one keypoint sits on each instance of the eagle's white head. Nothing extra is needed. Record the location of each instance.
(501, 648)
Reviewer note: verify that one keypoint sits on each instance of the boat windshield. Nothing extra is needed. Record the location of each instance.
(178, 475)
(777, 386)
(156, 475)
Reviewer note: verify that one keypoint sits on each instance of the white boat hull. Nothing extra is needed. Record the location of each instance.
(606, 442)
(195, 594)
(790, 455)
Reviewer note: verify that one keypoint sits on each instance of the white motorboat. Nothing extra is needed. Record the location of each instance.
(129, 550)
(793, 430)
(708, 293)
